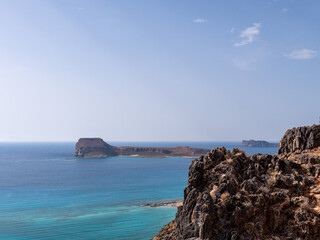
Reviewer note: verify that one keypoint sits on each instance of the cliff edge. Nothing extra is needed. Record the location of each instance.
(232, 196)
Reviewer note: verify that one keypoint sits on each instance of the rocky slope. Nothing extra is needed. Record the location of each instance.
(233, 196)
(96, 147)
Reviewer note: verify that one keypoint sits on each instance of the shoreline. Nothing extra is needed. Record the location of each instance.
(87, 157)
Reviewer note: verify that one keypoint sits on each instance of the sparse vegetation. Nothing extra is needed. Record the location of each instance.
(238, 203)
(208, 166)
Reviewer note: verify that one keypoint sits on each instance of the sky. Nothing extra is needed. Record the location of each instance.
(158, 70)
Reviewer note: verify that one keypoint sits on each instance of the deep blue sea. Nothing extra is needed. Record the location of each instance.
(46, 193)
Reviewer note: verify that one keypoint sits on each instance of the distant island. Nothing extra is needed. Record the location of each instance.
(259, 143)
(97, 148)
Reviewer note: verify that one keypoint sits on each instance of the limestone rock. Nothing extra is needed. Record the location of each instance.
(232, 196)
(299, 139)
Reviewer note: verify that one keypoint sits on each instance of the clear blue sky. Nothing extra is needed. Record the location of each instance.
(158, 70)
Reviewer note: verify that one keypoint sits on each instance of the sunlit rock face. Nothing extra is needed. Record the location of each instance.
(234, 196)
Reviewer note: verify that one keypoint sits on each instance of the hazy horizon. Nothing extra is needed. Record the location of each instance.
(115, 142)
(156, 71)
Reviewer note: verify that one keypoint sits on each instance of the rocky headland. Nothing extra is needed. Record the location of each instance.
(258, 143)
(96, 148)
(233, 196)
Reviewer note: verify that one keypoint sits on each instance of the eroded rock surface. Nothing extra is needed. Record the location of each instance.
(299, 139)
(232, 196)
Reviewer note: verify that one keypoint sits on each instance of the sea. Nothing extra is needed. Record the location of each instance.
(47, 193)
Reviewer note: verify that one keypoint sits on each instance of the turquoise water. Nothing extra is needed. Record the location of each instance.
(46, 193)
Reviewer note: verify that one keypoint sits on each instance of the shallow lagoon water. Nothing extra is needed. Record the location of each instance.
(46, 193)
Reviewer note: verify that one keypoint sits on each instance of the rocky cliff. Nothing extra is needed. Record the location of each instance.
(299, 139)
(259, 143)
(232, 196)
(96, 147)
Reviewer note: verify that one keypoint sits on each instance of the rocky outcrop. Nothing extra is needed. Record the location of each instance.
(299, 139)
(259, 143)
(232, 196)
(96, 147)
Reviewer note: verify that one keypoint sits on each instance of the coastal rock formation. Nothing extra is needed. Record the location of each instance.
(299, 139)
(255, 143)
(96, 147)
(232, 196)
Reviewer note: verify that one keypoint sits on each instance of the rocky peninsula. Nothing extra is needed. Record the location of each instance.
(233, 196)
(97, 148)
(258, 143)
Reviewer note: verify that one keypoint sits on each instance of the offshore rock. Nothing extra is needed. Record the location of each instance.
(232, 196)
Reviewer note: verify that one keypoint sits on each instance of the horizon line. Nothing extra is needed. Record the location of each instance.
(143, 141)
